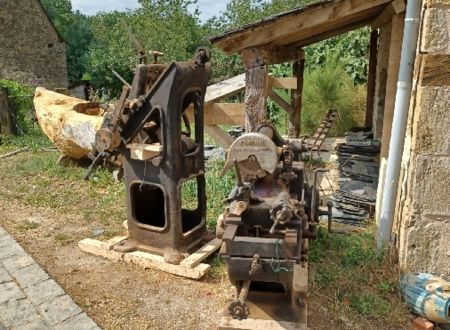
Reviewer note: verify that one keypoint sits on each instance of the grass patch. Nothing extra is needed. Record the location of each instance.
(359, 282)
(29, 225)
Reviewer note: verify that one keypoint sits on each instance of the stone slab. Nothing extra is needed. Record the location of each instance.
(18, 312)
(17, 262)
(59, 309)
(4, 276)
(29, 275)
(10, 291)
(78, 322)
(10, 250)
(436, 31)
(44, 291)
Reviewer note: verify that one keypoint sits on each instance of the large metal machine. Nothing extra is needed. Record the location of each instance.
(270, 216)
(149, 132)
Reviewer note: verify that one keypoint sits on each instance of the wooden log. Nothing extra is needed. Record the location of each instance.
(68, 125)
(6, 120)
(295, 117)
(256, 85)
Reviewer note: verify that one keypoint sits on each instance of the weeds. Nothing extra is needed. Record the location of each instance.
(29, 225)
(350, 268)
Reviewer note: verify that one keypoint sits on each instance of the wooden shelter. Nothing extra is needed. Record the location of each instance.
(281, 38)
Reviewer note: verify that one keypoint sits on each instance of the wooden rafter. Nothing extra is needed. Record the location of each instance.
(312, 24)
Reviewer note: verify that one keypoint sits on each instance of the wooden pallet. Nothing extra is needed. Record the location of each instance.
(191, 267)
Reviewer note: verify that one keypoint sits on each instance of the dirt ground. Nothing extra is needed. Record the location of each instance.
(119, 295)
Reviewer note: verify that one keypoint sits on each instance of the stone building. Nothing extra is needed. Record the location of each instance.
(31, 50)
(423, 204)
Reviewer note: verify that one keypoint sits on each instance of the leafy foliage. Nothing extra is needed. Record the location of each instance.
(21, 99)
(153, 25)
(76, 32)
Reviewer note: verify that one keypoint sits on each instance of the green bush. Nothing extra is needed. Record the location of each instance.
(20, 98)
(330, 87)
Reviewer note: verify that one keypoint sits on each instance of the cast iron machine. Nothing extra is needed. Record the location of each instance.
(149, 131)
(270, 216)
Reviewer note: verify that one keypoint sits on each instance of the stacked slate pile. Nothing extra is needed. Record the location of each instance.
(354, 201)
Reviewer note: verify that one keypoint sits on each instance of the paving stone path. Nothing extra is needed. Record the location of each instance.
(29, 298)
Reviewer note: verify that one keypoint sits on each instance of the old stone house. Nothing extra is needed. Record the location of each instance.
(31, 50)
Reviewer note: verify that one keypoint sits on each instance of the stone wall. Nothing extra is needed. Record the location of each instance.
(31, 51)
(423, 212)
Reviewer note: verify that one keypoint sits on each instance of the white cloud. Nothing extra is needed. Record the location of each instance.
(208, 8)
(91, 7)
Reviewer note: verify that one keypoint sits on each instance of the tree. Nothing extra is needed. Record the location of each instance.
(167, 26)
(76, 32)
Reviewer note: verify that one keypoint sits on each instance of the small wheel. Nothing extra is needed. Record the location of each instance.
(238, 310)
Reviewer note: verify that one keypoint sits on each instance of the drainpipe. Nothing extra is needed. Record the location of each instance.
(397, 141)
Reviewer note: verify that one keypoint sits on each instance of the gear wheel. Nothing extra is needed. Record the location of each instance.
(238, 310)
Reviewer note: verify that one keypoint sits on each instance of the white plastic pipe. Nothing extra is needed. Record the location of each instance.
(397, 141)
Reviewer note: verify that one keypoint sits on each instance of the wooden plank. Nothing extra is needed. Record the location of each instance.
(148, 260)
(285, 82)
(221, 137)
(257, 56)
(280, 101)
(395, 7)
(256, 85)
(225, 88)
(201, 254)
(230, 232)
(142, 151)
(228, 323)
(142, 259)
(435, 70)
(266, 247)
(302, 25)
(221, 114)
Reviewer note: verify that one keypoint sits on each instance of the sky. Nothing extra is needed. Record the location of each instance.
(208, 8)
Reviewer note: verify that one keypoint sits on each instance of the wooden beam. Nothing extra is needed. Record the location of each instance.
(295, 116)
(225, 88)
(302, 25)
(395, 49)
(256, 85)
(394, 8)
(257, 56)
(280, 101)
(285, 82)
(221, 137)
(221, 114)
(371, 77)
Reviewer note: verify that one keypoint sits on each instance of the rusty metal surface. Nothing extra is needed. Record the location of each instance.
(145, 130)
(269, 218)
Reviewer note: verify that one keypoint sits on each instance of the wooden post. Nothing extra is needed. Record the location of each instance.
(256, 84)
(295, 117)
(395, 49)
(6, 121)
(373, 54)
